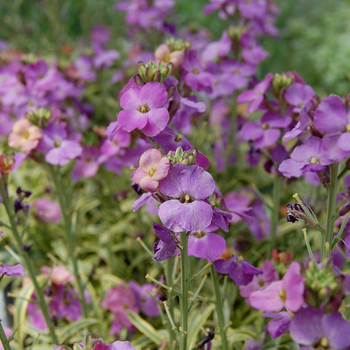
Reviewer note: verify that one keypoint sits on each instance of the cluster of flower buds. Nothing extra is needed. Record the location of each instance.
(39, 117)
(153, 72)
(7, 164)
(187, 158)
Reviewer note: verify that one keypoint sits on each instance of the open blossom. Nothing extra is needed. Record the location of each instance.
(305, 158)
(267, 131)
(298, 94)
(166, 247)
(206, 245)
(58, 149)
(239, 270)
(256, 95)
(58, 274)
(143, 109)
(286, 293)
(153, 168)
(331, 118)
(311, 326)
(11, 271)
(24, 135)
(146, 304)
(189, 186)
(47, 210)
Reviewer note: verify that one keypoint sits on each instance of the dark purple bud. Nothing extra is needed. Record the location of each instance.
(136, 188)
(27, 248)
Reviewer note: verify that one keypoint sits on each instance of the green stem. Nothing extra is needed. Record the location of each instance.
(170, 304)
(332, 190)
(3, 338)
(27, 262)
(219, 308)
(69, 236)
(276, 197)
(184, 290)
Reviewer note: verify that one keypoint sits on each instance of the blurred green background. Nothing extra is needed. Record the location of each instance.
(314, 34)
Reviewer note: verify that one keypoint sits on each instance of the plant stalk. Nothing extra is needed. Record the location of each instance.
(170, 303)
(276, 197)
(332, 190)
(219, 308)
(69, 236)
(184, 291)
(3, 338)
(25, 259)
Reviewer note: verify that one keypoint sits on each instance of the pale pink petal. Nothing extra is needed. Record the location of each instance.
(150, 160)
(148, 184)
(162, 169)
(153, 95)
(129, 120)
(138, 175)
(268, 299)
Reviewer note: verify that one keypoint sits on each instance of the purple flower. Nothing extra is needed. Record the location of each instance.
(298, 94)
(146, 304)
(166, 247)
(308, 157)
(87, 165)
(216, 49)
(190, 185)
(65, 303)
(332, 119)
(239, 270)
(265, 132)
(12, 271)
(285, 293)
(120, 301)
(310, 326)
(196, 77)
(206, 245)
(143, 109)
(256, 95)
(279, 324)
(260, 282)
(252, 8)
(47, 210)
(58, 149)
(237, 204)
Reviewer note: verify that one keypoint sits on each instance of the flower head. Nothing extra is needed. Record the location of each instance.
(153, 168)
(143, 109)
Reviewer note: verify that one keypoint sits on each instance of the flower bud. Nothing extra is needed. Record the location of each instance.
(39, 117)
(138, 80)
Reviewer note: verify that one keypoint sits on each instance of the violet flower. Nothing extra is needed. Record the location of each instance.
(298, 94)
(47, 210)
(58, 149)
(267, 131)
(166, 247)
(87, 164)
(120, 301)
(285, 293)
(217, 49)
(143, 109)
(308, 157)
(239, 270)
(12, 271)
(310, 327)
(331, 118)
(189, 186)
(256, 95)
(146, 304)
(206, 245)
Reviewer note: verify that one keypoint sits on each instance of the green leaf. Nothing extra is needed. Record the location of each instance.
(197, 320)
(21, 305)
(144, 327)
(235, 335)
(75, 327)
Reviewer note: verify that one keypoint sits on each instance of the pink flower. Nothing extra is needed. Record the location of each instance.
(153, 168)
(164, 54)
(47, 210)
(143, 109)
(59, 274)
(24, 135)
(286, 293)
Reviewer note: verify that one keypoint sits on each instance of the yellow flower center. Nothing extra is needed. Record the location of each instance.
(324, 342)
(348, 128)
(265, 126)
(26, 135)
(199, 234)
(313, 160)
(195, 71)
(151, 172)
(178, 137)
(240, 259)
(283, 295)
(57, 144)
(144, 109)
(187, 198)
